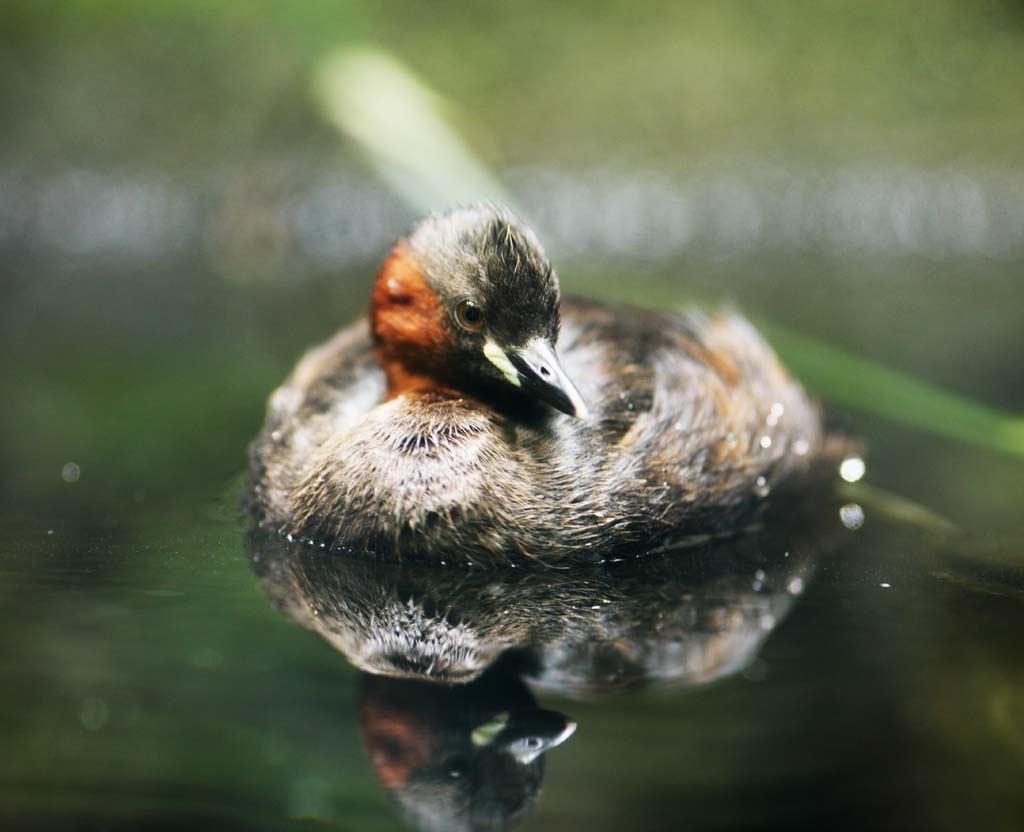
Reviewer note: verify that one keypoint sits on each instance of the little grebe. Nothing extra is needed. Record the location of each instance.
(481, 419)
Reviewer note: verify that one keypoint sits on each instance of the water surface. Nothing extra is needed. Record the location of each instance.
(150, 682)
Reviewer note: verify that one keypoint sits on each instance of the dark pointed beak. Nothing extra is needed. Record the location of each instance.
(541, 375)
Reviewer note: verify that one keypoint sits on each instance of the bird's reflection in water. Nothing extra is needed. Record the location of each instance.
(459, 757)
(452, 658)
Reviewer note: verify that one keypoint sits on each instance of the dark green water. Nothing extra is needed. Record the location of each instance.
(178, 221)
(150, 683)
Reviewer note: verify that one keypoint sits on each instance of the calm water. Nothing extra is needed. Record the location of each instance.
(179, 220)
(855, 664)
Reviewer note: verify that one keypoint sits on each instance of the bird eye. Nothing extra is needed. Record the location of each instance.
(457, 766)
(469, 315)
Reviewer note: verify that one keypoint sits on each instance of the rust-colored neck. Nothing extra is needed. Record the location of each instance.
(412, 342)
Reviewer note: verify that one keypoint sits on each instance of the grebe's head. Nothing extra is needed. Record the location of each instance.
(469, 301)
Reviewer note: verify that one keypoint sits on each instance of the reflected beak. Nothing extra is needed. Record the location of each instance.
(540, 375)
(525, 734)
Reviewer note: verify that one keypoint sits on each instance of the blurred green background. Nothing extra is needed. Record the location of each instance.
(173, 195)
(184, 208)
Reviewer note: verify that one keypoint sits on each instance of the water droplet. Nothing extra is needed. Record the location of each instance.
(761, 487)
(290, 538)
(757, 586)
(852, 516)
(775, 414)
(759, 574)
(275, 435)
(885, 585)
(70, 472)
(852, 468)
(801, 446)
(767, 621)
(795, 586)
(766, 442)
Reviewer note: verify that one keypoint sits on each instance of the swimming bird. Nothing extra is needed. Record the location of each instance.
(479, 418)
